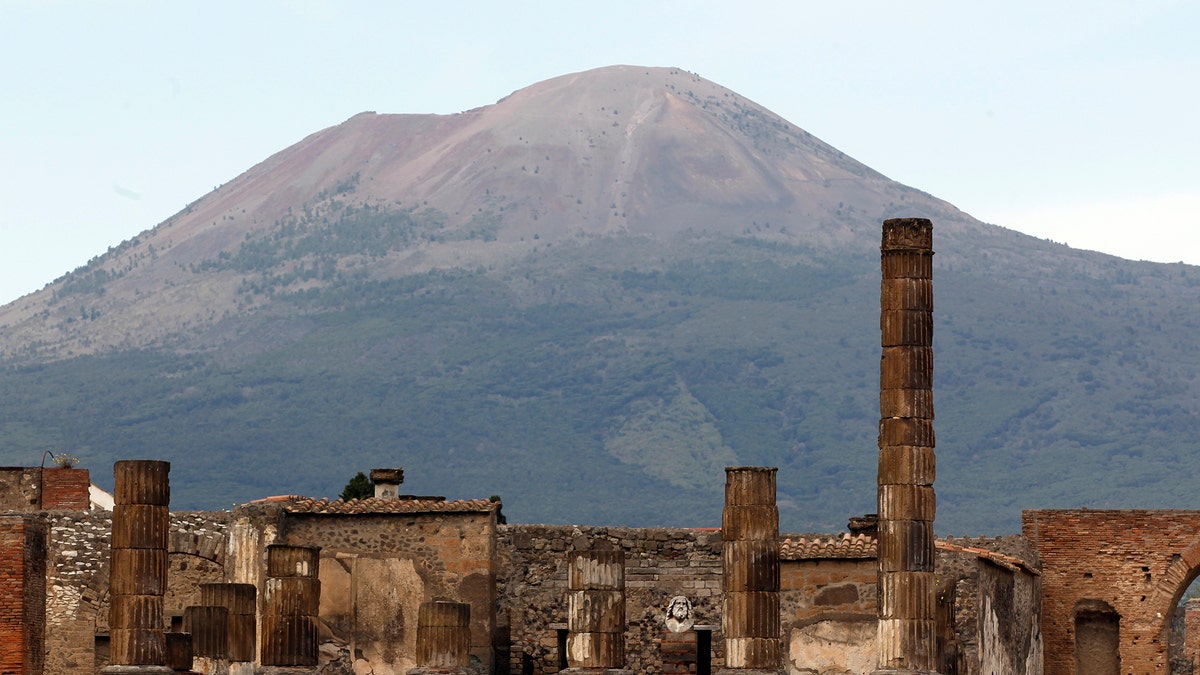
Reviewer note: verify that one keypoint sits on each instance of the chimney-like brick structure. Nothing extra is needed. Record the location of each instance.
(66, 489)
(750, 565)
(907, 587)
(387, 482)
(138, 568)
(443, 638)
(595, 611)
(291, 600)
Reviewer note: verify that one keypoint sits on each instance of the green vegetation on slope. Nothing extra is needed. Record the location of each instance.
(608, 382)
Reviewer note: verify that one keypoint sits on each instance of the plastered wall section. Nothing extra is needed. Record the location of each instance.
(376, 570)
(1137, 562)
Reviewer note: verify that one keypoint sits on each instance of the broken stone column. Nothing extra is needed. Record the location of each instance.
(138, 567)
(443, 638)
(209, 628)
(595, 611)
(907, 638)
(239, 600)
(179, 652)
(750, 561)
(291, 600)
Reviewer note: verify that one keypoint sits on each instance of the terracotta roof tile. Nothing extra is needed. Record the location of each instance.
(863, 546)
(845, 546)
(1008, 562)
(373, 505)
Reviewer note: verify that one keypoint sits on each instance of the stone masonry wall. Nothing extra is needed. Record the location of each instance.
(828, 608)
(660, 564)
(77, 578)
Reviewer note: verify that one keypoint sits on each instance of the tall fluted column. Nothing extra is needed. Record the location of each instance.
(907, 587)
(138, 566)
(750, 559)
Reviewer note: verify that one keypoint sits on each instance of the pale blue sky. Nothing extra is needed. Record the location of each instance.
(1073, 121)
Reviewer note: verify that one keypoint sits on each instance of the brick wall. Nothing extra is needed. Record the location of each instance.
(1135, 562)
(22, 595)
(35, 488)
(65, 489)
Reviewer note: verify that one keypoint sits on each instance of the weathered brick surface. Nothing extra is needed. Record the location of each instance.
(65, 489)
(1136, 561)
(22, 595)
(36, 488)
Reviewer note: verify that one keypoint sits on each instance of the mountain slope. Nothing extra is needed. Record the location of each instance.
(588, 298)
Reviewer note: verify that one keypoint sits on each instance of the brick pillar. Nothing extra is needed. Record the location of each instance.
(443, 638)
(66, 489)
(595, 611)
(22, 595)
(240, 600)
(291, 600)
(907, 587)
(750, 561)
(138, 567)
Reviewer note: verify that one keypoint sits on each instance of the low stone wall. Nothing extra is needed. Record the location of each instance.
(659, 564)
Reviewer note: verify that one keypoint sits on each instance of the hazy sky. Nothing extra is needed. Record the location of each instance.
(1074, 121)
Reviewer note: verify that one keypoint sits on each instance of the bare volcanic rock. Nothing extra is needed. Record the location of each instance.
(618, 151)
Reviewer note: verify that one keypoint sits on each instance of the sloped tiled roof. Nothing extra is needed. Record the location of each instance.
(846, 546)
(1008, 562)
(373, 505)
(863, 546)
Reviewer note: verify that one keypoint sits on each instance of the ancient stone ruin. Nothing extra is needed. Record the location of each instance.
(401, 583)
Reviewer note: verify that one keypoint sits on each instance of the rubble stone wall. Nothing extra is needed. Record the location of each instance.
(660, 564)
(77, 579)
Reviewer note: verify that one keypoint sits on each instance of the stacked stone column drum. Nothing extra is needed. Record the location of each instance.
(907, 587)
(138, 568)
(596, 610)
(750, 561)
(291, 600)
(179, 652)
(209, 628)
(239, 600)
(444, 635)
